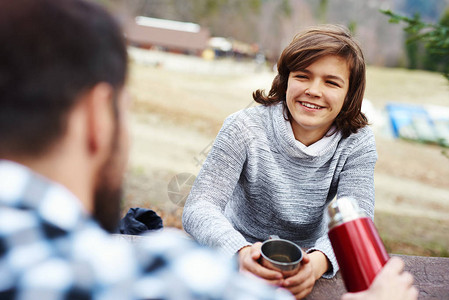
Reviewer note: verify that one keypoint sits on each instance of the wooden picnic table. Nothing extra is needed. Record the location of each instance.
(431, 277)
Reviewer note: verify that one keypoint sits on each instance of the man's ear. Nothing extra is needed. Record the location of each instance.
(100, 118)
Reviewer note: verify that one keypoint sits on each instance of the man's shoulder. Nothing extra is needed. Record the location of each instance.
(47, 241)
(37, 256)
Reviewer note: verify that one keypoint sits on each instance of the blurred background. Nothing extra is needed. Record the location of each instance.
(194, 62)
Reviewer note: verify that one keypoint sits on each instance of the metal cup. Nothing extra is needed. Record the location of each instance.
(280, 255)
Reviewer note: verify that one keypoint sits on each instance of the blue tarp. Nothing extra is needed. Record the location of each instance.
(428, 123)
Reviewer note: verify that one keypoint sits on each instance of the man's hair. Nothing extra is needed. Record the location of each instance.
(52, 51)
(306, 48)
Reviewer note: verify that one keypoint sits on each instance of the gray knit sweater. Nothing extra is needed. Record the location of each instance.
(256, 182)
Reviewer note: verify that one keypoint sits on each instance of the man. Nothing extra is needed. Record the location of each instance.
(63, 151)
(64, 147)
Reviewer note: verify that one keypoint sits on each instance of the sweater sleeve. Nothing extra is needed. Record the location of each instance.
(323, 245)
(203, 216)
(356, 180)
(357, 176)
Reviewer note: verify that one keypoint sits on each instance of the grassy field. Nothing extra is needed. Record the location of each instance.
(181, 102)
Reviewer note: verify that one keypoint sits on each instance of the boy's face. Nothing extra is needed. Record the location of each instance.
(315, 96)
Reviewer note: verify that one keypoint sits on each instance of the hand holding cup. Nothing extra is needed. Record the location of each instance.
(281, 255)
(295, 266)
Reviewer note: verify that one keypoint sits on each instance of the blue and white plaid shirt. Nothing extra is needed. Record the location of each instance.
(50, 248)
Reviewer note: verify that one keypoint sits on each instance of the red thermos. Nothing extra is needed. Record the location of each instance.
(359, 250)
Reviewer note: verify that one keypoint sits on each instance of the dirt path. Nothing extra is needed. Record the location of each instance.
(401, 196)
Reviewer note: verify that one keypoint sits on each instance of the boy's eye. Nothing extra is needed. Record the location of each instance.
(333, 83)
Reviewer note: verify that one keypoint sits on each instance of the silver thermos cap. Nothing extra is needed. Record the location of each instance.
(342, 210)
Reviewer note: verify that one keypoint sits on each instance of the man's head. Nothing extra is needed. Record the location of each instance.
(54, 53)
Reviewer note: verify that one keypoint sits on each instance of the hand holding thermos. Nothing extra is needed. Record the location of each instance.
(359, 250)
(361, 256)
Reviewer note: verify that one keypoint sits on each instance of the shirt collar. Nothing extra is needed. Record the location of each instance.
(293, 148)
(319, 147)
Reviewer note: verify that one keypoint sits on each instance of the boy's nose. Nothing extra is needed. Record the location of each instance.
(314, 90)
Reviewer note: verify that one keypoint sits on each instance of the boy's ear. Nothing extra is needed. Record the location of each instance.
(100, 119)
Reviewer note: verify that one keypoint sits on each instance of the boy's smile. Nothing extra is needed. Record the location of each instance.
(315, 97)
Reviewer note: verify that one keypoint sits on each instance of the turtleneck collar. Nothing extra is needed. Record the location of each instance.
(284, 134)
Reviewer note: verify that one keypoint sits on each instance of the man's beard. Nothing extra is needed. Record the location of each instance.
(108, 193)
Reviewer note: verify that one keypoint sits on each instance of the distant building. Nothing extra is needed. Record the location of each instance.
(172, 36)
(227, 47)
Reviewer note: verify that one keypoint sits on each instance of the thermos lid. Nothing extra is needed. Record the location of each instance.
(342, 210)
